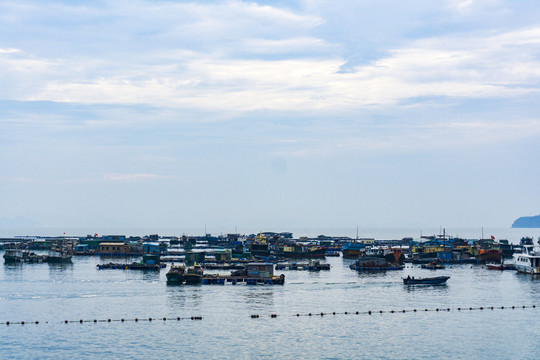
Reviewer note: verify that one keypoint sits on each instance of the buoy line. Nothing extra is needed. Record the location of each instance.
(373, 312)
(122, 320)
(274, 316)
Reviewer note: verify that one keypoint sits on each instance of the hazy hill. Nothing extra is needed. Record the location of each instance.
(527, 222)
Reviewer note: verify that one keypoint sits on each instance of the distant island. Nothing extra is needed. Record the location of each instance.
(527, 222)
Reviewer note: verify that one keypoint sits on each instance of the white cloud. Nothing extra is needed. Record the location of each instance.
(471, 66)
(471, 5)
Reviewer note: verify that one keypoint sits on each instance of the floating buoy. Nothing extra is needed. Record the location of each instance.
(80, 321)
(66, 321)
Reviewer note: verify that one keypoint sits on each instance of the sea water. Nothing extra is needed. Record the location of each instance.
(53, 293)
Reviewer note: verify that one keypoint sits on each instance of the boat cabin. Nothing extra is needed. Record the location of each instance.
(260, 270)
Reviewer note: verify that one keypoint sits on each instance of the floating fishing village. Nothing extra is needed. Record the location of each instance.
(254, 259)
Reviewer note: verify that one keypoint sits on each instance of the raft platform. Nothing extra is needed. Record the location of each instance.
(226, 266)
(222, 279)
(302, 266)
(377, 268)
(132, 266)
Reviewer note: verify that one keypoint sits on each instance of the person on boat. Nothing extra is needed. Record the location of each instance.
(408, 277)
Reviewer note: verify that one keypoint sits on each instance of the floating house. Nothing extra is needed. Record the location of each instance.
(114, 248)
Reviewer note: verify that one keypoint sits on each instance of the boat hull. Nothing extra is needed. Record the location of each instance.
(527, 269)
(175, 278)
(192, 279)
(59, 259)
(426, 281)
(315, 254)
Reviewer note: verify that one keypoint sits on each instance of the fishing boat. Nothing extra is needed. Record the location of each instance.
(176, 274)
(61, 251)
(425, 281)
(259, 246)
(13, 253)
(300, 251)
(392, 255)
(353, 249)
(194, 274)
(374, 263)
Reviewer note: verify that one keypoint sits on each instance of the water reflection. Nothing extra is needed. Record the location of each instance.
(149, 275)
(176, 296)
(13, 271)
(433, 288)
(372, 274)
(259, 298)
(60, 267)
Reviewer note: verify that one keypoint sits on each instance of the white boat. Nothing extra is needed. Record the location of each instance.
(529, 260)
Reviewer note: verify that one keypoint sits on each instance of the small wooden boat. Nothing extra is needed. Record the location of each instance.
(433, 266)
(427, 281)
(500, 266)
(495, 266)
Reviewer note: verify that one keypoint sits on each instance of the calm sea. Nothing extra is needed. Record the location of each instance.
(53, 293)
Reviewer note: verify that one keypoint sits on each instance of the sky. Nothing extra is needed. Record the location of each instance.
(269, 114)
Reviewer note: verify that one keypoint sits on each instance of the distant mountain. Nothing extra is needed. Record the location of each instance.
(527, 222)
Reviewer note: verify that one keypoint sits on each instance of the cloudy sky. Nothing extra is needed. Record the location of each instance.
(269, 113)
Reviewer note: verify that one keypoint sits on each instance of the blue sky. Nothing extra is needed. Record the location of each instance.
(269, 114)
